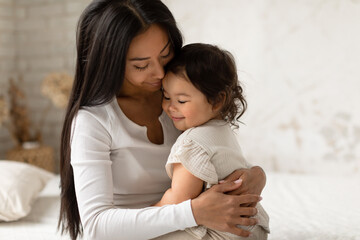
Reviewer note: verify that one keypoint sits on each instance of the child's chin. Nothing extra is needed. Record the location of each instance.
(180, 128)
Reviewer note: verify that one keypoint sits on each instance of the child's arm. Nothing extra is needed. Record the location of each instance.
(184, 186)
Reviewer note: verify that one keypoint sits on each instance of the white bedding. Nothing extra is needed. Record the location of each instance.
(301, 207)
(41, 223)
(312, 207)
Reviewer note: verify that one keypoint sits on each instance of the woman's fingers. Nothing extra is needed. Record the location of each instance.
(223, 212)
(235, 175)
(254, 180)
(227, 186)
(247, 211)
(242, 221)
(246, 221)
(238, 231)
(248, 198)
(235, 229)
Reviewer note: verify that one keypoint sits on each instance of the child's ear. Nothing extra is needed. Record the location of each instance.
(220, 101)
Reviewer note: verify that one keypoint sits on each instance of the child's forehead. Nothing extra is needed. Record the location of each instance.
(179, 75)
(175, 84)
(175, 78)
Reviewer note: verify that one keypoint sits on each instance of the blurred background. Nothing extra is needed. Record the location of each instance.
(298, 60)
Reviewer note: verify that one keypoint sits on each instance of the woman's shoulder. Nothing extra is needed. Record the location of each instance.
(94, 115)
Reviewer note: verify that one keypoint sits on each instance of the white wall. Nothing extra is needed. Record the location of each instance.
(40, 39)
(300, 64)
(298, 60)
(7, 58)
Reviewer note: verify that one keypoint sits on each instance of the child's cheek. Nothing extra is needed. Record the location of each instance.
(189, 112)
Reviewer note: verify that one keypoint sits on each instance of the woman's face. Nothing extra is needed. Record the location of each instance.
(148, 53)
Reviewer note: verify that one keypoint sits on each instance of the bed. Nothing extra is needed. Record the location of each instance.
(301, 207)
(312, 207)
(41, 223)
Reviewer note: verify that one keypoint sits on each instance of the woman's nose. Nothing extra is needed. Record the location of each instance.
(159, 71)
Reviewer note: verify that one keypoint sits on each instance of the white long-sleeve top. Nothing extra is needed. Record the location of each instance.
(119, 173)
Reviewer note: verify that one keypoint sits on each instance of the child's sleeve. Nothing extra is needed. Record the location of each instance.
(195, 158)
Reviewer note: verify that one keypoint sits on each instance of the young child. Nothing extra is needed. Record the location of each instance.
(202, 96)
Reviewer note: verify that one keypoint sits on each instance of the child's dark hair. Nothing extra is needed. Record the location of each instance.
(212, 71)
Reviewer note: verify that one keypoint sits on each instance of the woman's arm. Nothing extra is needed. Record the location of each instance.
(214, 208)
(93, 176)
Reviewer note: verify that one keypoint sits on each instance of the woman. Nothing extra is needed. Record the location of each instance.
(116, 139)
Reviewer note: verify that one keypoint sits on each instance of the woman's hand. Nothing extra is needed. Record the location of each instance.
(217, 210)
(253, 181)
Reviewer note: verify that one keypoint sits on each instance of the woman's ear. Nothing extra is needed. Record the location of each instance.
(220, 101)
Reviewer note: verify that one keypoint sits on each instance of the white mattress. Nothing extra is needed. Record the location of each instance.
(312, 207)
(301, 207)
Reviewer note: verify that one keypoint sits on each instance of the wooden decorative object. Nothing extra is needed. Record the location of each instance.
(41, 156)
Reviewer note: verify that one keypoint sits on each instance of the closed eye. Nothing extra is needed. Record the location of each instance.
(141, 68)
(182, 102)
(166, 98)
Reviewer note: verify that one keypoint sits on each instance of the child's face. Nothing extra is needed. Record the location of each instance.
(184, 103)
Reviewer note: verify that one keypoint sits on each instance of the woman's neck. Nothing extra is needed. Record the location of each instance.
(139, 96)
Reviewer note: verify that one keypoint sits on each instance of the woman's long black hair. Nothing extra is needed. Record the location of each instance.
(104, 32)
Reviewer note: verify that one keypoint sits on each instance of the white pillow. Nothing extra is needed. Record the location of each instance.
(20, 184)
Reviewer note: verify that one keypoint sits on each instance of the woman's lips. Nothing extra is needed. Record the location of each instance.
(156, 84)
